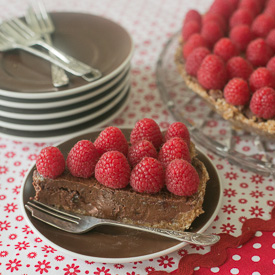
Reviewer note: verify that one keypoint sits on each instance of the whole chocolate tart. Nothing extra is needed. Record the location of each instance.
(89, 197)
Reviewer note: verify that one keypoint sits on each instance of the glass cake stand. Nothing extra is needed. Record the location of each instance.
(208, 129)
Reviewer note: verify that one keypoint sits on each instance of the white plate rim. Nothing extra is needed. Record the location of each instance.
(61, 103)
(119, 260)
(67, 123)
(70, 135)
(70, 112)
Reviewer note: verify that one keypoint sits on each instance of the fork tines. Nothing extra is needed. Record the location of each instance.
(34, 204)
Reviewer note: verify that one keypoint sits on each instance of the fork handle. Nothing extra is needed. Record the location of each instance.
(76, 65)
(66, 66)
(188, 237)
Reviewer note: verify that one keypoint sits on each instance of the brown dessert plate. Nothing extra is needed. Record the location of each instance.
(114, 244)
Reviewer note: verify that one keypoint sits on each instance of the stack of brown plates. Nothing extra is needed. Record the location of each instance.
(33, 109)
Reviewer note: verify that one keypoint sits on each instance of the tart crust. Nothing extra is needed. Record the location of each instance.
(264, 128)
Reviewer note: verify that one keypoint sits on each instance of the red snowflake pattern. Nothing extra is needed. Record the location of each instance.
(71, 269)
(4, 225)
(89, 262)
(9, 155)
(22, 245)
(256, 211)
(118, 266)
(42, 266)
(197, 247)
(182, 252)
(4, 254)
(26, 229)
(12, 236)
(32, 255)
(10, 207)
(229, 209)
(257, 194)
(48, 249)
(13, 265)
(101, 271)
(257, 179)
(231, 175)
(229, 192)
(149, 269)
(228, 228)
(242, 219)
(3, 169)
(16, 190)
(166, 261)
(59, 258)
(23, 172)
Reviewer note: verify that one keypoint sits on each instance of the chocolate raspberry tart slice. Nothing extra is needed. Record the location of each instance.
(163, 201)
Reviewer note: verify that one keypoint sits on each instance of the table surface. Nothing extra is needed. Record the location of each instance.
(246, 194)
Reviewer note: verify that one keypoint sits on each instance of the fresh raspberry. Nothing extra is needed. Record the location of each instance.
(270, 3)
(270, 11)
(241, 17)
(50, 162)
(262, 25)
(211, 32)
(252, 5)
(217, 18)
(111, 139)
(241, 36)
(261, 77)
(270, 39)
(113, 170)
(271, 65)
(236, 92)
(181, 178)
(234, 4)
(194, 41)
(82, 159)
(212, 72)
(190, 28)
(222, 7)
(178, 129)
(262, 103)
(147, 176)
(225, 49)
(258, 52)
(194, 60)
(192, 15)
(174, 148)
(141, 149)
(148, 129)
(239, 67)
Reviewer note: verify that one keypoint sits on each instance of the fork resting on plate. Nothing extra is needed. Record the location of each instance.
(75, 223)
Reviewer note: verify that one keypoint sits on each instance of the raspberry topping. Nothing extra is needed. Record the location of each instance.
(181, 178)
(178, 129)
(194, 41)
(147, 129)
(147, 176)
(50, 162)
(190, 28)
(82, 159)
(174, 148)
(236, 92)
(241, 36)
(258, 52)
(111, 139)
(239, 67)
(211, 32)
(222, 7)
(141, 149)
(262, 103)
(261, 77)
(241, 17)
(252, 5)
(212, 72)
(113, 170)
(271, 65)
(262, 25)
(270, 39)
(195, 59)
(217, 18)
(225, 49)
(192, 15)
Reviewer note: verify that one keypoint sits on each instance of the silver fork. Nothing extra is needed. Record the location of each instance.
(75, 223)
(23, 35)
(40, 22)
